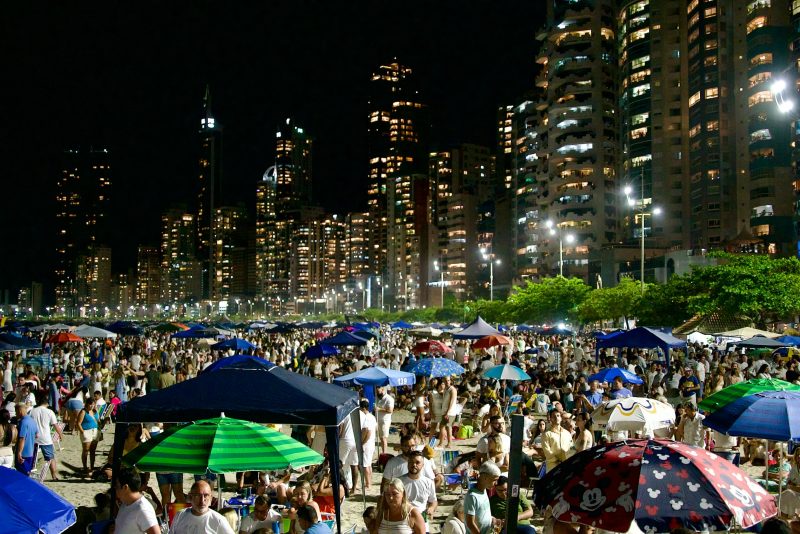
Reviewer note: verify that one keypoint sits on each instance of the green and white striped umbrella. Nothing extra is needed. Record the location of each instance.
(221, 445)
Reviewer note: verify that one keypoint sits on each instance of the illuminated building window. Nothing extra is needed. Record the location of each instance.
(759, 97)
(712, 92)
(758, 4)
(694, 131)
(760, 135)
(639, 62)
(639, 133)
(639, 90)
(694, 99)
(710, 12)
(692, 6)
(761, 59)
(638, 7)
(640, 76)
(639, 34)
(712, 126)
(641, 118)
(711, 44)
(756, 23)
(761, 77)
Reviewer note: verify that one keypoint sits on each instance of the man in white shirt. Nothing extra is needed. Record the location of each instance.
(420, 490)
(496, 427)
(398, 466)
(368, 427)
(45, 418)
(384, 407)
(136, 515)
(200, 519)
(692, 423)
(262, 517)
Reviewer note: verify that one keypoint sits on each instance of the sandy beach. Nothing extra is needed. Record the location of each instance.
(80, 490)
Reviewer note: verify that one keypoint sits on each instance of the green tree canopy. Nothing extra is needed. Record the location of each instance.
(548, 301)
(611, 303)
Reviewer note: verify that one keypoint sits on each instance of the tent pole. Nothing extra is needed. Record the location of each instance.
(332, 442)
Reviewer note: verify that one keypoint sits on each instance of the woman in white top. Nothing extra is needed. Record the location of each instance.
(395, 515)
(455, 522)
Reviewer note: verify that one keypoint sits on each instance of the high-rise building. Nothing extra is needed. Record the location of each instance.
(767, 205)
(208, 196)
(181, 272)
(397, 139)
(579, 130)
(266, 218)
(83, 196)
(122, 294)
(293, 167)
(505, 145)
(357, 234)
(148, 277)
(230, 233)
(654, 147)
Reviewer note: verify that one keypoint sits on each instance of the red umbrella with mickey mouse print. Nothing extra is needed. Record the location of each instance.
(661, 484)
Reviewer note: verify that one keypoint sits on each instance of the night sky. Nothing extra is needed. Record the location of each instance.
(131, 77)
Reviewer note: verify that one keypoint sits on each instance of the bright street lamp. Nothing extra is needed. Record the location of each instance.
(570, 239)
(489, 256)
(437, 267)
(642, 213)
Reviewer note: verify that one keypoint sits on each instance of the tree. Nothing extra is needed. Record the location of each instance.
(667, 304)
(757, 286)
(548, 301)
(611, 303)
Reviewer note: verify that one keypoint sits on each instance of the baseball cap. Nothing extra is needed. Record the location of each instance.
(489, 468)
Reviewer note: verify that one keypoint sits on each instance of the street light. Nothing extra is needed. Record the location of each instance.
(778, 89)
(380, 283)
(642, 213)
(489, 256)
(441, 280)
(570, 239)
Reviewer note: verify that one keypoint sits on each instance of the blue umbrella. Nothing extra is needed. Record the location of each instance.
(320, 350)
(401, 325)
(506, 372)
(376, 376)
(791, 340)
(28, 506)
(240, 361)
(344, 339)
(436, 367)
(610, 373)
(771, 415)
(234, 343)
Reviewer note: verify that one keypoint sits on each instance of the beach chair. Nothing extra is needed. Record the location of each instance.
(329, 519)
(533, 480)
(514, 403)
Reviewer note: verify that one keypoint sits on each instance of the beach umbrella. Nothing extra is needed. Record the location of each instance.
(234, 343)
(320, 350)
(634, 413)
(492, 340)
(169, 328)
(771, 415)
(401, 325)
(436, 367)
(610, 373)
(376, 376)
(743, 389)
(321, 334)
(27, 506)
(431, 347)
(63, 337)
(425, 331)
(785, 354)
(660, 484)
(93, 331)
(220, 445)
(344, 339)
(506, 372)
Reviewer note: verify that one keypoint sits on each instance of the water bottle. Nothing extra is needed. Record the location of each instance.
(276, 527)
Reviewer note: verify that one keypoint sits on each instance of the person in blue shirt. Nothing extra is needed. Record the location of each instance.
(689, 386)
(589, 400)
(310, 523)
(26, 439)
(619, 391)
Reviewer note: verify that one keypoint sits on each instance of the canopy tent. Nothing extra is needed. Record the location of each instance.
(376, 376)
(401, 325)
(18, 342)
(746, 332)
(235, 343)
(698, 337)
(426, 331)
(235, 386)
(789, 340)
(50, 327)
(320, 351)
(195, 332)
(476, 330)
(125, 328)
(344, 339)
(642, 338)
(85, 331)
(759, 342)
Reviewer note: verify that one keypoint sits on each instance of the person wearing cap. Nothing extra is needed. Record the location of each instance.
(477, 509)
(689, 386)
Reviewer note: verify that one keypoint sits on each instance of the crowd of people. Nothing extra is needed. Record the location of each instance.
(89, 380)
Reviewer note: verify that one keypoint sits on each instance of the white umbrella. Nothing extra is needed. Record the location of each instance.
(634, 413)
(86, 330)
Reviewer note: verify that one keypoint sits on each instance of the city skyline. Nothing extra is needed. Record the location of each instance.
(142, 101)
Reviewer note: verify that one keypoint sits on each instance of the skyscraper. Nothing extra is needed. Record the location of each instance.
(230, 233)
(266, 218)
(293, 167)
(397, 138)
(181, 272)
(83, 196)
(209, 187)
(579, 131)
(148, 276)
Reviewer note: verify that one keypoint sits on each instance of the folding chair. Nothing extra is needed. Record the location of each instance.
(329, 519)
(513, 403)
(533, 480)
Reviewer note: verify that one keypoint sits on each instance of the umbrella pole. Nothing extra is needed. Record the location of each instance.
(780, 477)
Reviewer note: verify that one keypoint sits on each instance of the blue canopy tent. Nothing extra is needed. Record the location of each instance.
(196, 332)
(236, 386)
(556, 331)
(525, 328)
(344, 339)
(234, 343)
(319, 351)
(789, 340)
(476, 330)
(759, 342)
(125, 328)
(401, 325)
(19, 342)
(641, 338)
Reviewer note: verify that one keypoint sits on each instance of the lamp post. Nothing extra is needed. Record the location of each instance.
(570, 239)
(437, 267)
(380, 283)
(642, 213)
(488, 255)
